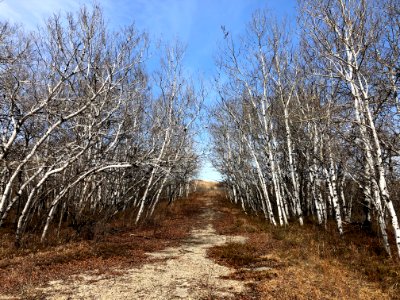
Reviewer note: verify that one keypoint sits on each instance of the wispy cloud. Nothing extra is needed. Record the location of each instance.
(32, 13)
(170, 19)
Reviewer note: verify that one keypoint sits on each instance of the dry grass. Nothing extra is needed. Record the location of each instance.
(206, 186)
(295, 262)
(121, 245)
(305, 262)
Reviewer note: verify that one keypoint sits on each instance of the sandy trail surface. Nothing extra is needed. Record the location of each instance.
(182, 272)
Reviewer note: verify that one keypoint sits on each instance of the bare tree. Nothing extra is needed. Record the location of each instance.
(82, 133)
(344, 33)
(314, 119)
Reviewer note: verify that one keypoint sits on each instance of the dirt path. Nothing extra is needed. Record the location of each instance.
(255, 261)
(182, 272)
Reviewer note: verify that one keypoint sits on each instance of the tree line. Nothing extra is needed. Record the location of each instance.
(86, 130)
(308, 118)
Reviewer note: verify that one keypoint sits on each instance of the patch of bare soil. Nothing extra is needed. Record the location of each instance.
(182, 272)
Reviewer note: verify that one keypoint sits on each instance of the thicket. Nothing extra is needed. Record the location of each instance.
(86, 131)
(307, 125)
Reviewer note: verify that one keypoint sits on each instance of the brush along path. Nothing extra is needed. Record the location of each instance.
(182, 272)
(302, 262)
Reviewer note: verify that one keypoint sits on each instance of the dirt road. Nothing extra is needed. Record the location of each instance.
(182, 272)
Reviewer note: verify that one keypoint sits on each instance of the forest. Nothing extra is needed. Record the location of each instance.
(86, 133)
(308, 121)
(305, 128)
(104, 131)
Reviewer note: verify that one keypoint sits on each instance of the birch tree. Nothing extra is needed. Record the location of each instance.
(344, 33)
(315, 121)
(83, 134)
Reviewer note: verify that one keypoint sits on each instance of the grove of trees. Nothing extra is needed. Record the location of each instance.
(86, 131)
(308, 121)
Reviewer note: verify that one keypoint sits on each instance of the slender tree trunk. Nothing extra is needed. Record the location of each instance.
(293, 174)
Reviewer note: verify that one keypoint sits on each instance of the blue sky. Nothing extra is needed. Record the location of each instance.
(197, 24)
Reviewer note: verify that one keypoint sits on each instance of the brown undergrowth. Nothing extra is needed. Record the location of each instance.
(120, 245)
(304, 262)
